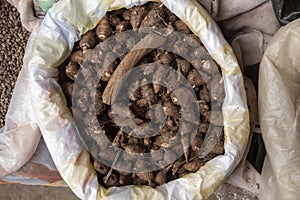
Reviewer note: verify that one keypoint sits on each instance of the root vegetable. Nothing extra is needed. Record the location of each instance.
(165, 59)
(161, 176)
(204, 94)
(72, 70)
(146, 176)
(130, 60)
(218, 148)
(101, 168)
(196, 143)
(113, 180)
(194, 165)
(88, 41)
(134, 148)
(122, 26)
(181, 172)
(110, 63)
(203, 107)
(203, 127)
(183, 65)
(170, 109)
(182, 27)
(138, 181)
(157, 88)
(126, 15)
(170, 16)
(114, 20)
(125, 179)
(171, 124)
(195, 78)
(174, 99)
(103, 29)
(154, 17)
(177, 165)
(147, 142)
(148, 92)
(79, 56)
(137, 14)
(165, 138)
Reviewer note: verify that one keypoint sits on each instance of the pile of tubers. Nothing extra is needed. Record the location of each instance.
(104, 61)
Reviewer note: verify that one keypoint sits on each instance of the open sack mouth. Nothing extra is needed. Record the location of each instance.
(153, 99)
(147, 101)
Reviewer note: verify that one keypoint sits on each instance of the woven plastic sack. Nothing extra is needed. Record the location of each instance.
(279, 110)
(52, 44)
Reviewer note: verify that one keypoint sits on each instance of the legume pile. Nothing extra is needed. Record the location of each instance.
(13, 38)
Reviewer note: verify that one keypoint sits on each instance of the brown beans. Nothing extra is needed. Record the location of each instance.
(13, 38)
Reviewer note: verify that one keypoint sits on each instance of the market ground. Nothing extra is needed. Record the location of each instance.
(21, 192)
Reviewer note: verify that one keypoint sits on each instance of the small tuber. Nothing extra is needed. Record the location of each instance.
(103, 29)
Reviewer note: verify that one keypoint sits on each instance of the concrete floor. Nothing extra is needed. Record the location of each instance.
(25, 192)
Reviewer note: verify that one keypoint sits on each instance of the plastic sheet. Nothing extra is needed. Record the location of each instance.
(279, 110)
(20, 136)
(52, 44)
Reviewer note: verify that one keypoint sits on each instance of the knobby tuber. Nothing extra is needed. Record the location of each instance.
(182, 145)
(194, 165)
(72, 70)
(154, 17)
(103, 29)
(181, 27)
(137, 15)
(88, 41)
(131, 59)
(194, 78)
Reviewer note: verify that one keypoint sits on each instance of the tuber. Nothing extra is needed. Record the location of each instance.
(194, 165)
(194, 78)
(154, 17)
(88, 41)
(103, 29)
(182, 27)
(72, 70)
(137, 14)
